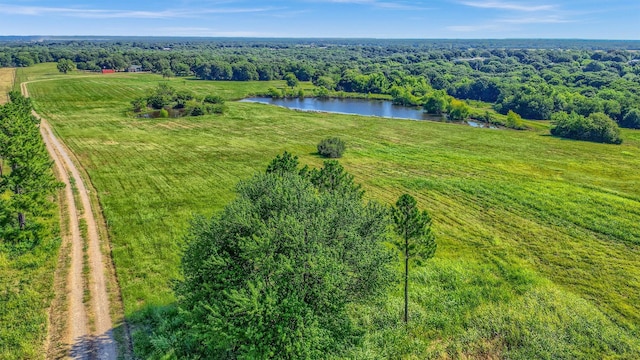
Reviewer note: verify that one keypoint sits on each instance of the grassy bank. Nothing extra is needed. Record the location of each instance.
(539, 238)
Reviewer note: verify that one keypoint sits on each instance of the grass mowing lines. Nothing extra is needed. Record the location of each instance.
(518, 201)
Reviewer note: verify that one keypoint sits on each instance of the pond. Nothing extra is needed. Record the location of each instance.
(380, 108)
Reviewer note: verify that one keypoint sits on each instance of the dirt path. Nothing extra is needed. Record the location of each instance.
(90, 329)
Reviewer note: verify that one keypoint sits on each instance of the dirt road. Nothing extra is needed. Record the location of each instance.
(90, 329)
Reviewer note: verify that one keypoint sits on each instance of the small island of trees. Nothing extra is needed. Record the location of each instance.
(165, 101)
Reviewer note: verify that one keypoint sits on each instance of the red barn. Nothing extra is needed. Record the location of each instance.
(108, 71)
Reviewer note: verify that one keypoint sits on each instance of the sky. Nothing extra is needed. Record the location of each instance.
(581, 19)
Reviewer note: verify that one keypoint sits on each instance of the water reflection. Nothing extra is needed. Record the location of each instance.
(364, 107)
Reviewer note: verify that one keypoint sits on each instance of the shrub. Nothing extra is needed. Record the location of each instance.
(274, 93)
(217, 109)
(598, 127)
(331, 148)
(197, 111)
(157, 101)
(164, 113)
(139, 104)
(458, 110)
(213, 99)
(514, 121)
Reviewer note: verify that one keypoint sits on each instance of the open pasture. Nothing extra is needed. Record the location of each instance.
(538, 237)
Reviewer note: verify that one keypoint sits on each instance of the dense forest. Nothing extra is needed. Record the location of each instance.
(598, 77)
(533, 79)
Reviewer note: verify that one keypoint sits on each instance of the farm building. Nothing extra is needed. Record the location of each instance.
(108, 71)
(134, 68)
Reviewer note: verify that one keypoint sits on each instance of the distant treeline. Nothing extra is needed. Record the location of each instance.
(578, 76)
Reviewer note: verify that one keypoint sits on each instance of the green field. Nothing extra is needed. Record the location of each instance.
(538, 238)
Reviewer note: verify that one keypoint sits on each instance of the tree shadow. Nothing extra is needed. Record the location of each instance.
(96, 347)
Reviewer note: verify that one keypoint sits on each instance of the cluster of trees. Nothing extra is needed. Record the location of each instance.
(531, 78)
(26, 178)
(180, 102)
(597, 127)
(274, 274)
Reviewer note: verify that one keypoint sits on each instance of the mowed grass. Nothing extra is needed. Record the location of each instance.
(6, 83)
(538, 238)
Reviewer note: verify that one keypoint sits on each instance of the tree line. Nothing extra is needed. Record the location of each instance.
(532, 79)
(27, 183)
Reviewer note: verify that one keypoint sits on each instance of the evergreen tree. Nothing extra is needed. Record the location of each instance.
(417, 242)
(26, 179)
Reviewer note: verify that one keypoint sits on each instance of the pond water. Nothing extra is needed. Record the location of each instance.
(364, 107)
(380, 108)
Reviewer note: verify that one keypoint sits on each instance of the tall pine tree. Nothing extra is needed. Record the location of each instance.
(416, 242)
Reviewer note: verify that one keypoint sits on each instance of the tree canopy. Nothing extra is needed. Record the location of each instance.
(26, 180)
(274, 273)
(597, 127)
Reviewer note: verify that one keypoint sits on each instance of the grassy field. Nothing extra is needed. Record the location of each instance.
(6, 83)
(26, 281)
(538, 238)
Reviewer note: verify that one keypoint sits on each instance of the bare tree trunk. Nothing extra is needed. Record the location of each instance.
(406, 281)
(21, 220)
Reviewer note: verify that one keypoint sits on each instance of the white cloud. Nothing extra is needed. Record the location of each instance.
(552, 19)
(209, 32)
(379, 4)
(472, 28)
(110, 14)
(502, 5)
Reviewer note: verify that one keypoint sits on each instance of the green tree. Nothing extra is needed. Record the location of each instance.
(631, 119)
(167, 73)
(283, 164)
(458, 110)
(291, 79)
(416, 242)
(435, 103)
(28, 182)
(65, 65)
(274, 274)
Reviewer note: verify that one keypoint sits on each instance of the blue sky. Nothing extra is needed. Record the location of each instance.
(587, 19)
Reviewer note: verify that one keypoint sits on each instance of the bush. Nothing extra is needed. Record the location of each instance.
(274, 93)
(458, 110)
(213, 99)
(598, 127)
(331, 148)
(514, 121)
(197, 111)
(216, 109)
(164, 113)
